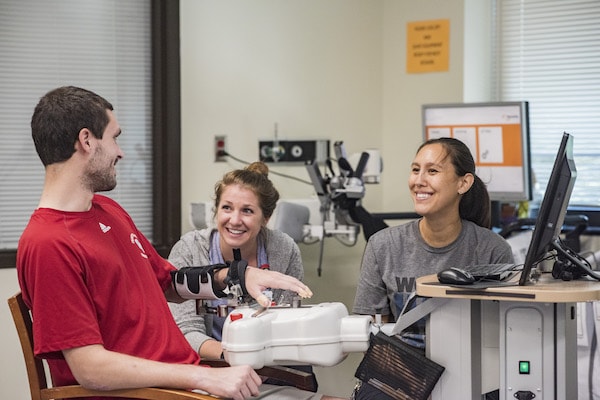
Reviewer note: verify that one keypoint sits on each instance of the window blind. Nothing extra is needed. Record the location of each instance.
(548, 53)
(101, 45)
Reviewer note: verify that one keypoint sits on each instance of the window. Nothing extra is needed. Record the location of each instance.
(548, 53)
(126, 51)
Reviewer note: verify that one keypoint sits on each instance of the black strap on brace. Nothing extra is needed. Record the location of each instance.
(237, 272)
(187, 281)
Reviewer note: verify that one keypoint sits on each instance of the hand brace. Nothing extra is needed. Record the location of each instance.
(236, 276)
(197, 282)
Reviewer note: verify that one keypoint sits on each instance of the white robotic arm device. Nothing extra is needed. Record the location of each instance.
(322, 334)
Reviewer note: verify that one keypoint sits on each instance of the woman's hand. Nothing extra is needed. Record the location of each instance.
(258, 280)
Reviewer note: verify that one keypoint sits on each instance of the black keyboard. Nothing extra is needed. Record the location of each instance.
(496, 272)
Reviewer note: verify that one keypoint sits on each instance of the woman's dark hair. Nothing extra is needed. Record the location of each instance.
(254, 177)
(59, 117)
(475, 204)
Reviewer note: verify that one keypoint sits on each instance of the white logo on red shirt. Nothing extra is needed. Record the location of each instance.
(135, 240)
(104, 228)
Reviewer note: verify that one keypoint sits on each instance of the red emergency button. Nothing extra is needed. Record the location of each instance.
(235, 316)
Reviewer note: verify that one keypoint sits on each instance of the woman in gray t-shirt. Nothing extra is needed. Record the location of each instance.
(453, 231)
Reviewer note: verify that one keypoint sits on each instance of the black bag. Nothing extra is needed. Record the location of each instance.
(392, 369)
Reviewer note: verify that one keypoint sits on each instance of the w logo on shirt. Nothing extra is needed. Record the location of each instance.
(104, 228)
(406, 284)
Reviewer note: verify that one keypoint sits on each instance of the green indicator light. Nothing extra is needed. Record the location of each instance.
(524, 367)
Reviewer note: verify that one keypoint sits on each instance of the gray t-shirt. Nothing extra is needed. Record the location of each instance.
(396, 256)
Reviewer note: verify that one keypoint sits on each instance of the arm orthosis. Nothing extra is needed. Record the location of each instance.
(199, 282)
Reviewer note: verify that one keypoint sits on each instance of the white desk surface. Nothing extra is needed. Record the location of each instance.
(547, 289)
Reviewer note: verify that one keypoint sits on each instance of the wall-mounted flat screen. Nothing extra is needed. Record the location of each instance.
(498, 136)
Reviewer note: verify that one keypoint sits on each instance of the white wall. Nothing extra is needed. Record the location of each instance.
(403, 94)
(312, 67)
(333, 70)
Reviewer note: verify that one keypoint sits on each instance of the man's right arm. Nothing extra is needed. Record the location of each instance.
(95, 367)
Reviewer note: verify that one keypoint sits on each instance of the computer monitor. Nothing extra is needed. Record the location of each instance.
(553, 208)
(498, 136)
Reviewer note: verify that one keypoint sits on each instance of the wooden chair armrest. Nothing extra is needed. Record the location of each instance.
(73, 391)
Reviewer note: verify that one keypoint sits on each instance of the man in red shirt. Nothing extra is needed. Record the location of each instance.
(95, 284)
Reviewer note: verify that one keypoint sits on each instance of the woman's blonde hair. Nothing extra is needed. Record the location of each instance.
(256, 178)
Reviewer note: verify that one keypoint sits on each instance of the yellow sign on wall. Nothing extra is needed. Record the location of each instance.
(427, 46)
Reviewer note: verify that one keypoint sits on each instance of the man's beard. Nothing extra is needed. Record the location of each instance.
(100, 181)
(99, 178)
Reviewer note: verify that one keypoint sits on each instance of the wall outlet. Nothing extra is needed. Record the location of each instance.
(292, 151)
(220, 149)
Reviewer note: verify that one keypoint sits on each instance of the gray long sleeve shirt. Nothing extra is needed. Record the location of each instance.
(193, 250)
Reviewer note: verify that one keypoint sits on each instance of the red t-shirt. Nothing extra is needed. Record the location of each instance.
(93, 278)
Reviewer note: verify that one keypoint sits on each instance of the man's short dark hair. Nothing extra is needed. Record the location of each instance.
(59, 117)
